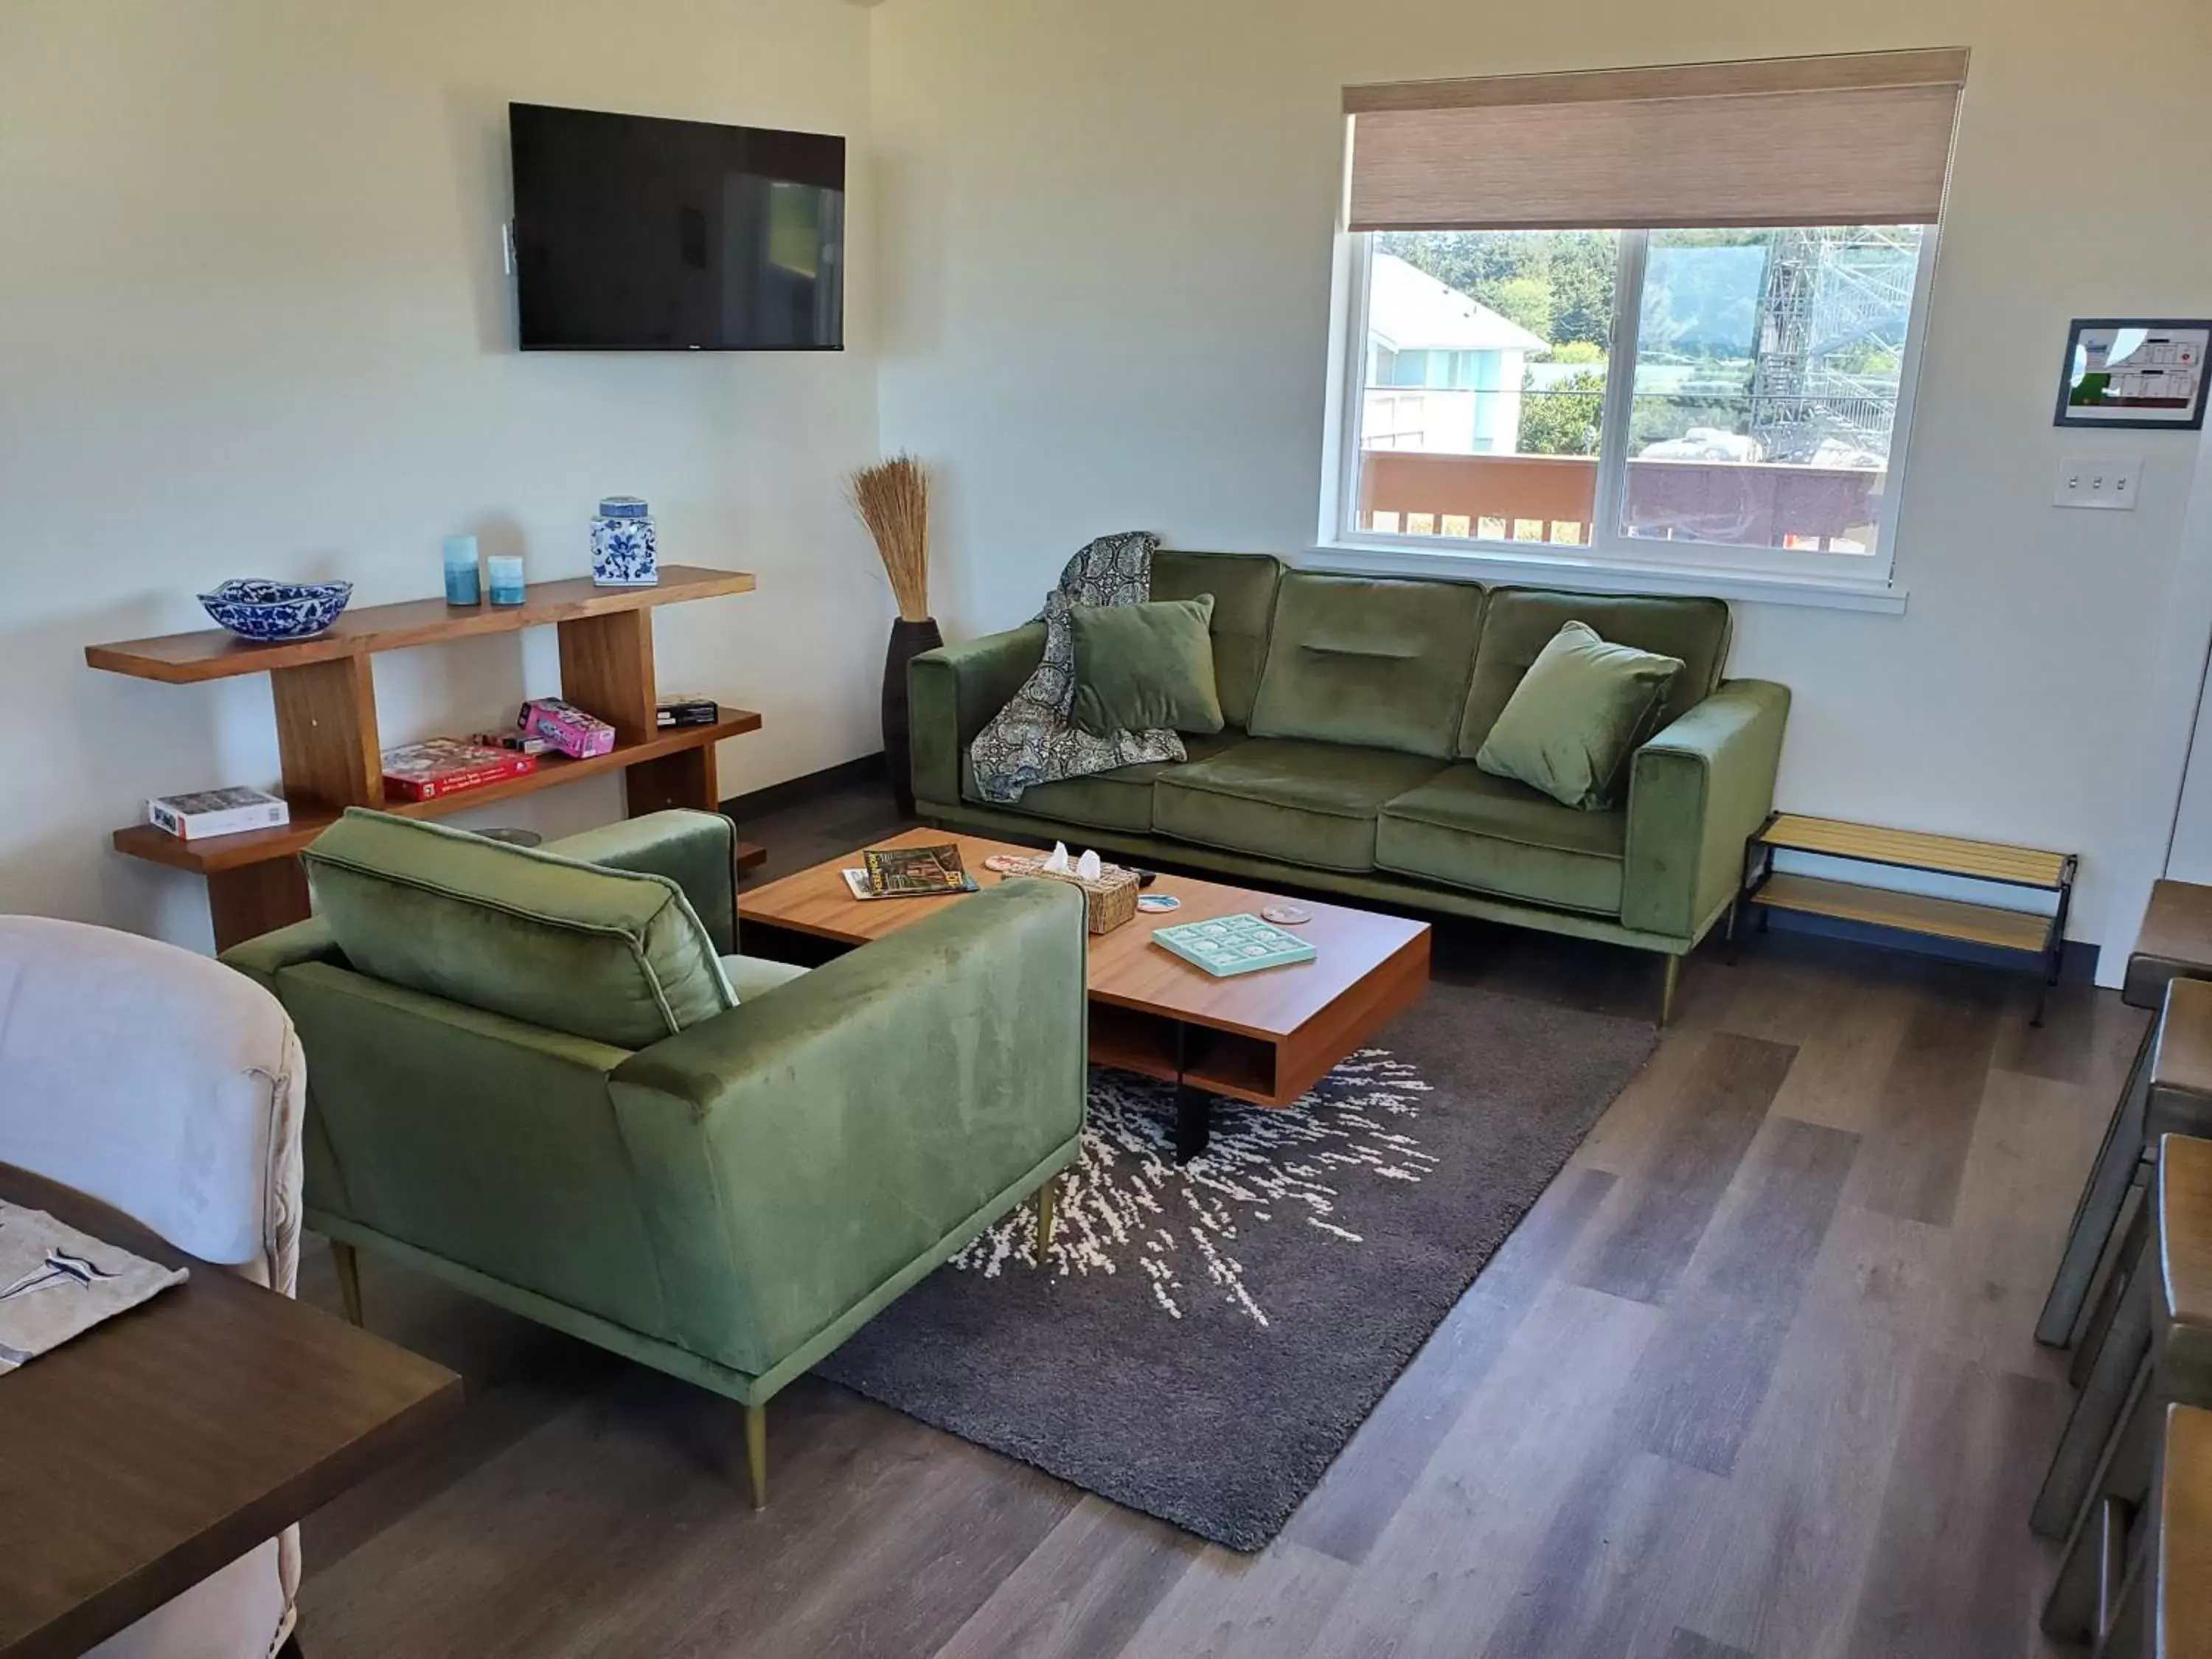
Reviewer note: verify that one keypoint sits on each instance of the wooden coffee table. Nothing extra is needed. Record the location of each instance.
(1264, 1037)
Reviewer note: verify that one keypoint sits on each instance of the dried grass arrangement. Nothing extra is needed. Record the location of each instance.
(892, 499)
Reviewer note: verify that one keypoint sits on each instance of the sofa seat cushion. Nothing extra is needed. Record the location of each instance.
(1120, 799)
(1468, 829)
(1302, 802)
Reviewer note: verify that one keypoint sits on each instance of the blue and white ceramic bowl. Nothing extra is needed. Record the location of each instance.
(258, 610)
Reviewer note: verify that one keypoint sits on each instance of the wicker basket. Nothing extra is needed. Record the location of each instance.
(1109, 898)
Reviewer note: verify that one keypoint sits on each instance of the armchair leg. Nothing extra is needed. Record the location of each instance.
(1667, 990)
(757, 1453)
(1044, 1207)
(349, 1267)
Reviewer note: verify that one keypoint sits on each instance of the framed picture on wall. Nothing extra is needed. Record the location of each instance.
(2131, 372)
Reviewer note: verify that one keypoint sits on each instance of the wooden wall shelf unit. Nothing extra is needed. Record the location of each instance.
(326, 738)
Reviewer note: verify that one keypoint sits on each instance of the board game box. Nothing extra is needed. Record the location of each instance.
(577, 735)
(685, 709)
(215, 812)
(447, 766)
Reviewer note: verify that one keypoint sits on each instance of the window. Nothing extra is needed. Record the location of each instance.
(1656, 317)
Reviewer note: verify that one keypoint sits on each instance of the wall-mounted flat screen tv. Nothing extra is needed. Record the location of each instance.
(638, 235)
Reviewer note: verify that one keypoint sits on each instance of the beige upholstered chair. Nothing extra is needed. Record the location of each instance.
(165, 1084)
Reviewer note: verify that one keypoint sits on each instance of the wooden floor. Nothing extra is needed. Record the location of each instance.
(1755, 1377)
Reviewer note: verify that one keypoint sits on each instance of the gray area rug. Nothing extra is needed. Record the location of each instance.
(1204, 1339)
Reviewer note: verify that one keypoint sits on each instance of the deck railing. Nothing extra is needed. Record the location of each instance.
(1553, 498)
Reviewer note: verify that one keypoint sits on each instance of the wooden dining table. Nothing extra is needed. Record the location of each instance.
(162, 1444)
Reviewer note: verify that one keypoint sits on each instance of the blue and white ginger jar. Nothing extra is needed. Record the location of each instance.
(623, 550)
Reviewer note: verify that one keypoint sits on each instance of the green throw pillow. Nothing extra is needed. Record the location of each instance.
(1143, 667)
(1572, 723)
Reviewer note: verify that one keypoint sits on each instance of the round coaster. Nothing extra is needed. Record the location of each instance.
(1158, 901)
(1002, 862)
(1283, 916)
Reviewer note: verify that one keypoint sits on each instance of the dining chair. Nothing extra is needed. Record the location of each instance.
(163, 1083)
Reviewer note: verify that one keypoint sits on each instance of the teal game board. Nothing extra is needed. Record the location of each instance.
(1233, 944)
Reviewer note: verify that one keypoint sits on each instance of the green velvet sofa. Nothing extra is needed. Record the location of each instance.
(548, 1078)
(1355, 706)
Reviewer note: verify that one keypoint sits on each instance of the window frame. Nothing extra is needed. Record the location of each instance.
(1861, 581)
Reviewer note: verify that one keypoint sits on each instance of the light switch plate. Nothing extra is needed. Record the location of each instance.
(2109, 483)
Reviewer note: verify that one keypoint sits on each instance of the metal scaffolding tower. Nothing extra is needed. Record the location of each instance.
(1834, 312)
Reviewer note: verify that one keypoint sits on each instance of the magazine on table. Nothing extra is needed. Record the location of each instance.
(856, 881)
(915, 872)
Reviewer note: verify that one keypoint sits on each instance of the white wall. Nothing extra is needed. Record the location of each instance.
(1111, 224)
(252, 321)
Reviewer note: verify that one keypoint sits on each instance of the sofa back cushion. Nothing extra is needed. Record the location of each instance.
(1522, 620)
(612, 956)
(1360, 660)
(1244, 588)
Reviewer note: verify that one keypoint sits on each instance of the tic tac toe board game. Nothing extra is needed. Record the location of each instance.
(1233, 944)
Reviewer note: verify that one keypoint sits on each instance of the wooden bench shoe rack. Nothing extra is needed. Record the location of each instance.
(324, 698)
(2038, 934)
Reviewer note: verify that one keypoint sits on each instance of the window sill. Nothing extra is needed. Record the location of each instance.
(1560, 567)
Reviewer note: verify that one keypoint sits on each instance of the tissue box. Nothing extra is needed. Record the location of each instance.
(1109, 898)
(569, 730)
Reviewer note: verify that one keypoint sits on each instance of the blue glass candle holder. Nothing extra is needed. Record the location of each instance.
(462, 586)
(504, 573)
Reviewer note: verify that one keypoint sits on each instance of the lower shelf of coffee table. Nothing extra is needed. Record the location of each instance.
(1220, 1062)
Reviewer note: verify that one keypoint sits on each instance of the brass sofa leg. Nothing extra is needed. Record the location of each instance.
(757, 1453)
(1044, 1207)
(349, 1267)
(1666, 990)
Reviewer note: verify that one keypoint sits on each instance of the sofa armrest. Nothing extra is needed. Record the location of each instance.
(804, 1157)
(263, 957)
(952, 692)
(1697, 792)
(696, 850)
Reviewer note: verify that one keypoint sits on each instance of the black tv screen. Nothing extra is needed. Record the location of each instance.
(637, 235)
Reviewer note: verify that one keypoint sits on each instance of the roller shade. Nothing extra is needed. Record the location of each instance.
(1864, 139)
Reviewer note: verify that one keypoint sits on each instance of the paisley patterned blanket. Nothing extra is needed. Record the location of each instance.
(1034, 739)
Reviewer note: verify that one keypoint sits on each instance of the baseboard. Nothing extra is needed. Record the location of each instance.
(811, 785)
(2076, 964)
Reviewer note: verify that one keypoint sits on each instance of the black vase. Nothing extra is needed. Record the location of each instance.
(908, 640)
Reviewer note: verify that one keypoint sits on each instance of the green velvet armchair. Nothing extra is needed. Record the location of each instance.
(546, 1077)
